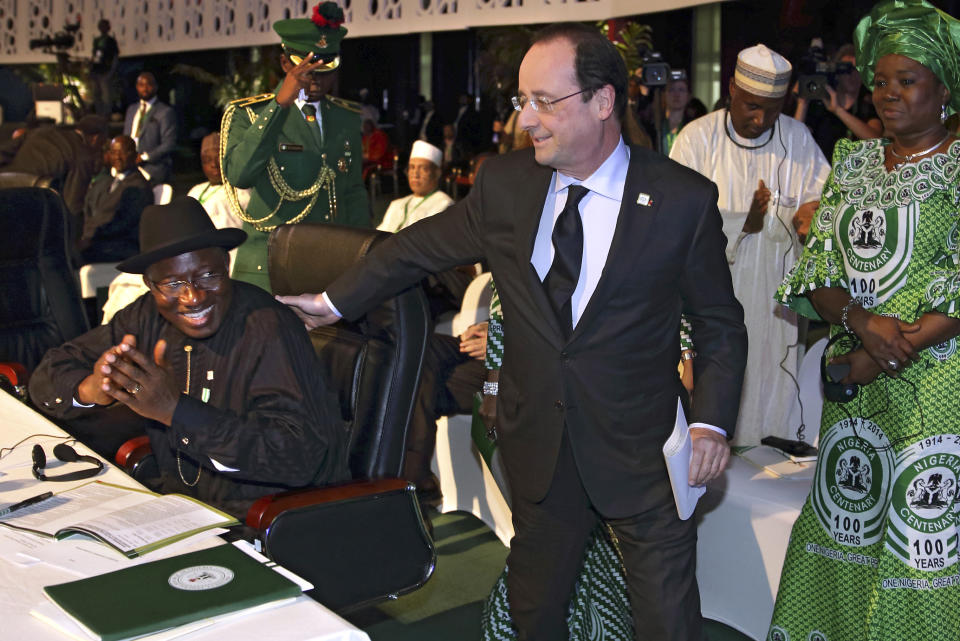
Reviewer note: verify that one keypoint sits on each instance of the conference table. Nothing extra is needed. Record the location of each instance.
(743, 524)
(21, 583)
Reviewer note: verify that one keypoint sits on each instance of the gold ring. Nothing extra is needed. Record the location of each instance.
(136, 389)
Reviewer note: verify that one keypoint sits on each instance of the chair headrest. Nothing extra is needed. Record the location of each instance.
(307, 257)
(23, 179)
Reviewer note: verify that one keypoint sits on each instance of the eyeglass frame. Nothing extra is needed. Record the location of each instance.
(206, 282)
(546, 103)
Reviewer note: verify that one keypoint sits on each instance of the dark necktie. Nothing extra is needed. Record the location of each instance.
(562, 278)
(310, 113)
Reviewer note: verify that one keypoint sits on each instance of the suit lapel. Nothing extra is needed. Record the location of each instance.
(633, 224)
(528, 208)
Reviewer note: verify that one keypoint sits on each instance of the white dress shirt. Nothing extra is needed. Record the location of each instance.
(599, 211)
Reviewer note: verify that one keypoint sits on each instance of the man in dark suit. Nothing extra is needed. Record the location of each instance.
(153, 126)
(111, 212)
(589, 383)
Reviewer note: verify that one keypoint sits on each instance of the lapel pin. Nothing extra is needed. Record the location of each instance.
(644, 200)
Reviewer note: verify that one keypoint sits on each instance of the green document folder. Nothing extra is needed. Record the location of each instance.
(163, 594)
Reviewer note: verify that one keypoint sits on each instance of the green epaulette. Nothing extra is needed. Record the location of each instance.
(240, 103)
(350, 105)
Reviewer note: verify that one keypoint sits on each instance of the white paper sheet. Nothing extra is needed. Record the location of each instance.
(677, 452)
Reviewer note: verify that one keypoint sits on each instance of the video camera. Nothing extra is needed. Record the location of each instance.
(60, 41)
(816, 73)
(657, 73)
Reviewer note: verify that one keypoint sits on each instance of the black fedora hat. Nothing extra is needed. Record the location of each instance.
(180, 227)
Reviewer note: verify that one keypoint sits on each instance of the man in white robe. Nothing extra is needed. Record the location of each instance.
(423, 174)
(770, 172)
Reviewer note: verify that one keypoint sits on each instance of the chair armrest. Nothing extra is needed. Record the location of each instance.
(357, 543)
(133, 451)
(137, 459)
(13, 379)
(262, 513)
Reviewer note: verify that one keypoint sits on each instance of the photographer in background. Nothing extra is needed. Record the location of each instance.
(657, 96)
(846, 111)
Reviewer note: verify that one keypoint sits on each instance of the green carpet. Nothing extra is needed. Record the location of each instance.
(448, 608)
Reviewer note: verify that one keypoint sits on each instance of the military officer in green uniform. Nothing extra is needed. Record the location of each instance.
(298, 150)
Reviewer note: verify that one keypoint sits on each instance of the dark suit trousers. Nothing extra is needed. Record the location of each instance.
(546, 555)
(447, 385)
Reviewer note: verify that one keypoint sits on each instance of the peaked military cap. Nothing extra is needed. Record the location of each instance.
(321, 34)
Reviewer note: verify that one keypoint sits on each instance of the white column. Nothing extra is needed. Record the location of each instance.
(705, 68)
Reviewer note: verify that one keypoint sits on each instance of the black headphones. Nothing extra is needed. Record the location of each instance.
(833, 389)
(66, 454)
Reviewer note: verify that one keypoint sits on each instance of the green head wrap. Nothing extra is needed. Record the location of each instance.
(917, 30)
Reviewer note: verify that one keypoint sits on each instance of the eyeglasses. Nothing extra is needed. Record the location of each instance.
(207, 282)
(540, 104)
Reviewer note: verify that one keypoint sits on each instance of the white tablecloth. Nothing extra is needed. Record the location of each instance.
(744, 523)
(21, 587)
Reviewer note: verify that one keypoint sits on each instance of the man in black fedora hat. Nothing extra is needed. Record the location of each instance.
(222, 377)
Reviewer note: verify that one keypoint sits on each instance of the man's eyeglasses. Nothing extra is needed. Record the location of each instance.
(207, 282)
(540, 104)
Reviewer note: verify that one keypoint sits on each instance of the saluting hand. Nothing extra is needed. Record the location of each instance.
(297, 78)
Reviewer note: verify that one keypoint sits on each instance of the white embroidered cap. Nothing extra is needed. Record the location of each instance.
(762, 72)
(423, 149)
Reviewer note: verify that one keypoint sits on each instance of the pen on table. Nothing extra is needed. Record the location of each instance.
(26, 503)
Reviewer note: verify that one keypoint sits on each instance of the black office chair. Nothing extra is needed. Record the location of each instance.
(369, 541)
(40, 304)
(23, 179)
(364, 540)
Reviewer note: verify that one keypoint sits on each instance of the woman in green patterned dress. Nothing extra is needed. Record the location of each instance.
(874, 553)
